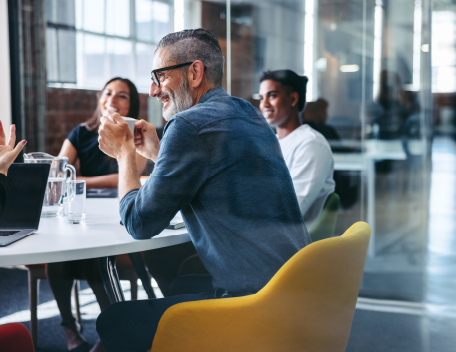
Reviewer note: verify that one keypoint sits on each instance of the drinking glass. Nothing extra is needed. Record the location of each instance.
(76, 191)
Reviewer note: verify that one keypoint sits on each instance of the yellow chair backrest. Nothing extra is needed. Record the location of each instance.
(307, 306)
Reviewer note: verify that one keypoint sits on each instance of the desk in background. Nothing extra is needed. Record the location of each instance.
(376, 150)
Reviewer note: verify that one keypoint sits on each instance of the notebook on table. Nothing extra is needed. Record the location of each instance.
(102, 193)
(176, 223)
(24, 201)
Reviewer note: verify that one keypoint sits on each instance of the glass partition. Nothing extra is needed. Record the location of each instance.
(369, 60)
(369, 67)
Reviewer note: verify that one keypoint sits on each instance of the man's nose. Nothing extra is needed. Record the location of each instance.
(154, 91)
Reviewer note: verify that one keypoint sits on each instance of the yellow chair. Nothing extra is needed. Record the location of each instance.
(307, 306)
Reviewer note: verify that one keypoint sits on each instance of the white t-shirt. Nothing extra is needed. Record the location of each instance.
(309, 159)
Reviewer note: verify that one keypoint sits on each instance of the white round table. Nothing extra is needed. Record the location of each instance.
(101, 236)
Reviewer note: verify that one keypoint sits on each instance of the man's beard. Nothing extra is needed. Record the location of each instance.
(181, 99)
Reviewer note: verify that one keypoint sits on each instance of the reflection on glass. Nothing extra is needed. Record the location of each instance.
(371, 90)
(78, 13)
(144, 57)
(309, 59)
(118, 18)
(144, 20)
(162, 27)
(93, 59)
(443, 51)
(152, 20)
(94, 15)
(119, 58)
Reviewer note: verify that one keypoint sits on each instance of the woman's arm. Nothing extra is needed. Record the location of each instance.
(107, 181)
(69, 151)
(111, 181)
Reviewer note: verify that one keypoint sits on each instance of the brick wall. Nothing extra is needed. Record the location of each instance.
(66, 108)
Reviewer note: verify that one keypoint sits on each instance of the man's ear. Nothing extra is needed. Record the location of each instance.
(294, 99)
(196, 74)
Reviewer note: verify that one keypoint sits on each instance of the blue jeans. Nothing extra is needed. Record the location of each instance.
(130, 326)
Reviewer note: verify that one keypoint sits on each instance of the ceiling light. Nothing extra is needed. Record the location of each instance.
(349, 68)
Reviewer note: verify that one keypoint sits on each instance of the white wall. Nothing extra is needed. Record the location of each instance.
(5, 86)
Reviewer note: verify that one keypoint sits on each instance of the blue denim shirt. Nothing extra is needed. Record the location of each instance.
(221, 165)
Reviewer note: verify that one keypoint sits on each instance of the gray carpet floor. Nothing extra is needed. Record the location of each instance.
(371, 331)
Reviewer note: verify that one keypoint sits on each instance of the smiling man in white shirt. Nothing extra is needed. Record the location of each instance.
(306, 152)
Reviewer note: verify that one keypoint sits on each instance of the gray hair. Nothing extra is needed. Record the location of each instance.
(196, 44)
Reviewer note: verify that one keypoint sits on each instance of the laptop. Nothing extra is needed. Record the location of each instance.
(24, 201)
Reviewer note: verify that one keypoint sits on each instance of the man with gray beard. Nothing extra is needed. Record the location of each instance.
(220, 164)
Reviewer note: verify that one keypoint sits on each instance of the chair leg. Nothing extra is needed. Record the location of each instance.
(76, 301)
(134, 289)
(33, 298)
(108, 271)
(140, 268)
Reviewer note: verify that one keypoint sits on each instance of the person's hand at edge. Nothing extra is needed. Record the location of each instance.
(8, 153)
(146, 140)
(114, 136)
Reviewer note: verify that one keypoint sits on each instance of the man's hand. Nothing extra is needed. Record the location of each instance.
(7, 151)
(115, 137)
(146, 140)
(116, 140)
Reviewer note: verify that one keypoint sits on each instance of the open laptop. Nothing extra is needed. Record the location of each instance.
(24, 201)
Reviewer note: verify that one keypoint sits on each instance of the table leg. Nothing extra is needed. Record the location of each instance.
(107, 266)
(138, 264)
(371, 204)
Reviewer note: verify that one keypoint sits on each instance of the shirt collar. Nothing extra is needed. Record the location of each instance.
(216, 92)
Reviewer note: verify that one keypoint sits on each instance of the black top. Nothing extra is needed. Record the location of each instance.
(4, 188)
(93, 162)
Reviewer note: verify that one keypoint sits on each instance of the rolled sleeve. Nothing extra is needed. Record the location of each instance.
(129, 215)
(182, 167)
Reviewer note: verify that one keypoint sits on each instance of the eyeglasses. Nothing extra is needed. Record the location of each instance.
(154, 72)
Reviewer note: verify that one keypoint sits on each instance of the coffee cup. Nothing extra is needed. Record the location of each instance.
(131, 123)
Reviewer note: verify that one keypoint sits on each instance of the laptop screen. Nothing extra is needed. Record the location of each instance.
(25, 199)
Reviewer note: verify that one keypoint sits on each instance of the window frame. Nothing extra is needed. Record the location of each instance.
(132, 38)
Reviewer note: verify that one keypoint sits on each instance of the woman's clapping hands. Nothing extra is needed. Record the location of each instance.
(8, 153)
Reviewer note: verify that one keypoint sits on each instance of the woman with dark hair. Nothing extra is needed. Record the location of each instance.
(99, 171)
(96, 168)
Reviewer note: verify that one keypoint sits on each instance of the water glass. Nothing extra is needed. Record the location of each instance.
(76, 192)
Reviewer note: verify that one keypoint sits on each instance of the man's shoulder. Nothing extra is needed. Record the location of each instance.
(215, 110)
